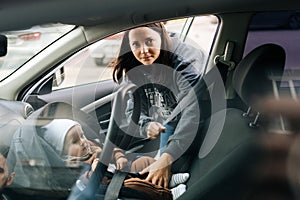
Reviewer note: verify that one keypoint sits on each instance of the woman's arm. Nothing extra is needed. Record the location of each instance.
(159, 171)
(119, 158)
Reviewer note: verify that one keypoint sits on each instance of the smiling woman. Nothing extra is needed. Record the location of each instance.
(145, 45)
(165, 70)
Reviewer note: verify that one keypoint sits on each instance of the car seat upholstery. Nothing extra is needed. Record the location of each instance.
(218, 171)
(22, 108)
(35, 156)
(251, 82)
(12, 116)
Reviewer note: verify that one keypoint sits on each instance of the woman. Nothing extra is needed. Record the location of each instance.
(165, 70)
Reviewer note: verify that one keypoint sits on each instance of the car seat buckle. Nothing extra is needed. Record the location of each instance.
(254, 124)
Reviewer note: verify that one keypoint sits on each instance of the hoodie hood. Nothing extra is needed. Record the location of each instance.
(55, 133)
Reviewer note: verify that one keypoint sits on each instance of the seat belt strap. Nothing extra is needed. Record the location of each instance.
(190, 98)
(225, 66)
(115, 186)
(224, 62)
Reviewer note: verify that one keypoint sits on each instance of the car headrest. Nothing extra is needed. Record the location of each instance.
(22, 108)
(253, 76)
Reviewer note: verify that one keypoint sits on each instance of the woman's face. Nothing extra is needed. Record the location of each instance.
(145, 44)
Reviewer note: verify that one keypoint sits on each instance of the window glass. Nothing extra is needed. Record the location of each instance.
(197, 31)
(202, 32)
(282, 28)
(60, 140)
(24, 44)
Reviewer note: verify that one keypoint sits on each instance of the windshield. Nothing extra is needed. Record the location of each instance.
(24, 44)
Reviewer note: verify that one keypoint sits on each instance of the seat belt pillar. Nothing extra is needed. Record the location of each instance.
(226, 66)
(226, 58)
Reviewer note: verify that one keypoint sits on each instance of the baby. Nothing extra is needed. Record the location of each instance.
(67, 138)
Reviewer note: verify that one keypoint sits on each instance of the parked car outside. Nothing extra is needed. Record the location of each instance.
(106, 51)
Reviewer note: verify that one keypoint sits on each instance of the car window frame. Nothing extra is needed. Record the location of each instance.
(183, 34)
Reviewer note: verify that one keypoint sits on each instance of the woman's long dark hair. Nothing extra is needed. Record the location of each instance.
(126, 60)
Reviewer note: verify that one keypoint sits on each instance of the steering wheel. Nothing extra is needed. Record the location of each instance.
(118, 105)
(130, 143)
(114, 128)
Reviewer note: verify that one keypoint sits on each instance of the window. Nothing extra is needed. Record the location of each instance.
(197, 31)
(24, 44)
(282, 28)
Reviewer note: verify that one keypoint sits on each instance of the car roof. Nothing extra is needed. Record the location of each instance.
(26, 13)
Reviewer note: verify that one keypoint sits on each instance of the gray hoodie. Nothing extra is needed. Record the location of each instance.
(160, 98)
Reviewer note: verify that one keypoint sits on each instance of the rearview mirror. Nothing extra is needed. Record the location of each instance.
(3, 45)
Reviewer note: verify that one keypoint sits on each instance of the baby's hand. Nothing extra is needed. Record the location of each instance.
(96, 150)
(121, 162)
(86, 175)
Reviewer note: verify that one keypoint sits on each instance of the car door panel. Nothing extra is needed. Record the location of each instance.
(79, 97)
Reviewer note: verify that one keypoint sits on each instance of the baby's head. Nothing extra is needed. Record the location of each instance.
(67, 138)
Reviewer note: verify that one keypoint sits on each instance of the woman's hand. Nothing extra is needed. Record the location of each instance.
(121, 162)
(159, 171)
(154, 129)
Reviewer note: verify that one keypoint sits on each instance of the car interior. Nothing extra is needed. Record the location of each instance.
(245, 65)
